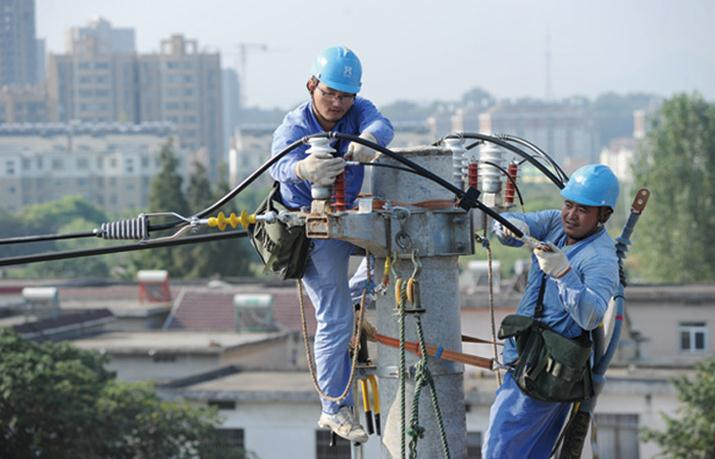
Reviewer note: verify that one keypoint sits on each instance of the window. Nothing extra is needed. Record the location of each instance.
(227, 438)
(693, 336)
(323, 450)
(82, 163)
(474, 445)
(617, 435)
(10, 167)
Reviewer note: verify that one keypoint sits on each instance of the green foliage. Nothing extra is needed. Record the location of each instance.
(67, 215)
(226, 258)
(59, 402)
(677, 163)
(690, 435)
(50, 216)
(166, 194)
(87, 267)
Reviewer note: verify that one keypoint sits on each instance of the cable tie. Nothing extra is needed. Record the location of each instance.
(438, 354)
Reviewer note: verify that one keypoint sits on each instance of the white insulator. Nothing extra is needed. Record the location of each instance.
(490, 176)
(456, 145)
(320, 146)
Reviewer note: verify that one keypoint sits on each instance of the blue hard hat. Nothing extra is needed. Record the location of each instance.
(592, 185)
(339, 68)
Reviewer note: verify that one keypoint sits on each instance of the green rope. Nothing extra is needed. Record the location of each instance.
(423, 376)
(403, 409)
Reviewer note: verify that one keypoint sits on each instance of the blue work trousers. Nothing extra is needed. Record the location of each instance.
(520, 426)
(333, 296)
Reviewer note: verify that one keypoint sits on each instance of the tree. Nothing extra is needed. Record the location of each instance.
(92, 267)
(226, 258)
(691, 434)
(59, 402)
(676, 239)
(166, 195)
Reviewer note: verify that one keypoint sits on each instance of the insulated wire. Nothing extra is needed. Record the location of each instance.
(533, 147)
(419, 170)
(172, 224)
(509, 177)
(47, 237)
(430, 175)
(491, 139)
(49, 256)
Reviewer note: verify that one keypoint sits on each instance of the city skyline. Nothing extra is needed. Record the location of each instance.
(428, 51)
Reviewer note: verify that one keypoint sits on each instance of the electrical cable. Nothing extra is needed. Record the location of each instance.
(491, 139)
(330, 135)
(509, 177)
(512, 138)
(172, 224)
(470, 194)
(49, 256)
(47, 237)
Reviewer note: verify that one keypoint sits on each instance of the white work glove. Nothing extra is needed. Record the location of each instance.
(552, 260)
(361, 153)
(320, 168)
(505, 233)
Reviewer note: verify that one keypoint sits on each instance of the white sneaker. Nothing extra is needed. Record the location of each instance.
(343, 424)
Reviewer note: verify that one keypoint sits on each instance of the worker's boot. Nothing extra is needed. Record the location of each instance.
(343, 423)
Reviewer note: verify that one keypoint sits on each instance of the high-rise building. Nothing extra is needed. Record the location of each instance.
(99, 82)
(93, 88)
(182, 85)
(18, 45)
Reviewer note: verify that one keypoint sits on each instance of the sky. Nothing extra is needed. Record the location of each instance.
(423, 50)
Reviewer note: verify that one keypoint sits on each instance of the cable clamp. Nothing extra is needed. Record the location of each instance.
(469, 199)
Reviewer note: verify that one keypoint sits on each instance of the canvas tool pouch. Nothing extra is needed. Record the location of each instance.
(282, 249)
(550, 367)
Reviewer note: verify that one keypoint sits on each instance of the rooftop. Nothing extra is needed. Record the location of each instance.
(212, 309)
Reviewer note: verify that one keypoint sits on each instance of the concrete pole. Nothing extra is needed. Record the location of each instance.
(440, 236)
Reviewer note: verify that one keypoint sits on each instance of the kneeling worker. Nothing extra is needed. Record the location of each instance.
(568, 290)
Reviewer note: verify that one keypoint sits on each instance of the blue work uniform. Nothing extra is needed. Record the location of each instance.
(326, 272)
(521, 426)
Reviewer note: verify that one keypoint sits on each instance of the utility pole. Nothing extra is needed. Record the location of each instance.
(436, 238)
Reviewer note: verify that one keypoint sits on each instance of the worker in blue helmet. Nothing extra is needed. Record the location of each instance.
(571, 280)
(333, 105)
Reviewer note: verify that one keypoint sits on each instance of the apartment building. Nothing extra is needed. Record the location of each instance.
(110, 165)
(102, 79)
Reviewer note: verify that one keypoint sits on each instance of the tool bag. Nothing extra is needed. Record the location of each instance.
(283, 249)
(550, 367)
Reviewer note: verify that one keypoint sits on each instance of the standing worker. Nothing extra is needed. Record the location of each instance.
(333, 106)
(568, 290)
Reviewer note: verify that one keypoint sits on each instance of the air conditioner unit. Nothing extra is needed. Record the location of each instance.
(254, 312)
